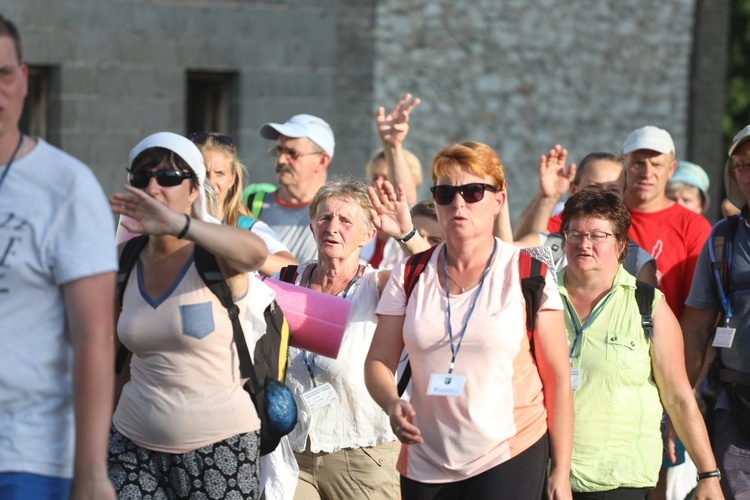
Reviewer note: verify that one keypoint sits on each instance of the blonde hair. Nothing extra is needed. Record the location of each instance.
(415, 166)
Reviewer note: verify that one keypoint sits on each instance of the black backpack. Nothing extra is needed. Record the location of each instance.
(273, 400)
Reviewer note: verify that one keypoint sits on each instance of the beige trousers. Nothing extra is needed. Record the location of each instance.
(354, 473)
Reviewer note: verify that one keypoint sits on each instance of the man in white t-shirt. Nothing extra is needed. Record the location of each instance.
(57, 277)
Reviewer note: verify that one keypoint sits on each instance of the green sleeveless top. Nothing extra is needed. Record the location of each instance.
(617, 439)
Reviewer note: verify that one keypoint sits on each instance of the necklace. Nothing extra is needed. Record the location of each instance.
(462, 287)
(12, 158)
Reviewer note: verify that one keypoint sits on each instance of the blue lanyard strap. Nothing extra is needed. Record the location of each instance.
(577, 325)
(310, 364)
(455, 349)
(726, 300)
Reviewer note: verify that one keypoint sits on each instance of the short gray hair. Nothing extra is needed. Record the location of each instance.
(348, 188)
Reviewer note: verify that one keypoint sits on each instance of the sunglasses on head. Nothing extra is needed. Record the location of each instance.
(164, 177)
(202, 137)
(471, 193)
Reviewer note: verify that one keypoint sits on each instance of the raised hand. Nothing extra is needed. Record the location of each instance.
(145, 214)
(393, 127)
(554, 181)
(391, 210)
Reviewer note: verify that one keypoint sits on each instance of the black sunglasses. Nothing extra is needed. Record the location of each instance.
(202, 137)
(164, 177)
(471, 193)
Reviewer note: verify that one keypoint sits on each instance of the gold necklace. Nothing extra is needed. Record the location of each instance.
(463, 288)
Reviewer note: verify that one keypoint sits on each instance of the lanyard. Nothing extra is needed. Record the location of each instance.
(726, 299)
(577, 325)
(10, 162)
(310, 364)
(455, 349)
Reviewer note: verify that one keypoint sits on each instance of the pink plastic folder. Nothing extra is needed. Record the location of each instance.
(316, 320)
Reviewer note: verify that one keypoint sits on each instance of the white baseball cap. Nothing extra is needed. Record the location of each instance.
(649, 137)
(733, 191)
(309, 126)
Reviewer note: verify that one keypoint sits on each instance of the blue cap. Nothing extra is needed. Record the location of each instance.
(692, 175)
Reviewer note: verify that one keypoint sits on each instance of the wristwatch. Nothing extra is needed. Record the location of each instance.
(712, 473)
(409, 236)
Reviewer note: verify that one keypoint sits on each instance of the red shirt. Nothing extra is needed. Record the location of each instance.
(555, 223)
(674, 237)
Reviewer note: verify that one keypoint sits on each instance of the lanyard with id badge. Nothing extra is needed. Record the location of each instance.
(575, 373)
(321, 396)
(451, 384)
(724, 336)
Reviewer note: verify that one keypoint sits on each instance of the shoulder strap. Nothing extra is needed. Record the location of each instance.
(288, 274)
(722, 238)
(554, 243)
(245, 222)
(208, 269)
(256, 203)
(414, 266)
(644, 297)
(129, 256)
(533, 272)
(631, 259)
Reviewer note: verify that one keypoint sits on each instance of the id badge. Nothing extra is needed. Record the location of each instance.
(319, 397)
(724, 337)
(446, 384)
(575, 378)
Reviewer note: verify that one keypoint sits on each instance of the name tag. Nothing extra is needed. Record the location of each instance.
(724, 337)
(319, 397)
(446, 384)
(575, 377)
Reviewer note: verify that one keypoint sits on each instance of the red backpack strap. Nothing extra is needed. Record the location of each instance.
(414, 266)
(288, 274)
(532, 272)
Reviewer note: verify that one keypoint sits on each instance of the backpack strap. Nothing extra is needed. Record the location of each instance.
(722, 238)
(208, 269)
(644, 297)
(245, 222)
(288, 274)
(413, 268)
(129, 256)
(532, 272)
(554, 243)
(631, 259)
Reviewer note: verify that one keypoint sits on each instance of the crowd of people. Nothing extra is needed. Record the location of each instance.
(559, 362)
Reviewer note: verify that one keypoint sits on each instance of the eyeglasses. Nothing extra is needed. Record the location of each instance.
(202, 137)
(741, 166)
(277, 151)
(595, 237)
(164, 177)
(471, 193)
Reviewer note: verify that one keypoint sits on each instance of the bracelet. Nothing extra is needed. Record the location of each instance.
(408, 236)
(712, 473)
(184, 229)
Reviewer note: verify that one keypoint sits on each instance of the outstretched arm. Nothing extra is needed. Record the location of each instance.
(554, 182)
(89, 307)
(392, 129)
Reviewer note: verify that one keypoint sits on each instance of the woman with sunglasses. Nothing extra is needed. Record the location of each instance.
(622, 372)
(224, 170)
(487, 410)
(183, 426)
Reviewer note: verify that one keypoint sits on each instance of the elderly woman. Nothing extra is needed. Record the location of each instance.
(487, 409)
(224, 170)
(343, 442)
(621, 374)
(183, 426)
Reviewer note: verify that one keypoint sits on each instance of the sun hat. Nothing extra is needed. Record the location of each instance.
(692, 175)
(309, 126)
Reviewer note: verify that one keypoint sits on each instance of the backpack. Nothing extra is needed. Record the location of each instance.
(254, 195)
(532, 273)
(273, 401)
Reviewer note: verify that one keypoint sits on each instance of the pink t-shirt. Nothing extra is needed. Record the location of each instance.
(674, 237)
(501, 410)
(185, 390)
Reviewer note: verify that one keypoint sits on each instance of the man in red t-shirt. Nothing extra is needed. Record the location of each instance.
(672, 234)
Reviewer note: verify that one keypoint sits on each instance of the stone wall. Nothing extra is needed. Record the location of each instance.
(523, 75)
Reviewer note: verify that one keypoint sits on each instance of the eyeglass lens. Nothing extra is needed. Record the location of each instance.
(471, 193)
(164, 177)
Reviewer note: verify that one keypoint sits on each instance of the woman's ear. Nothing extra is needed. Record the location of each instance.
(501, 198)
